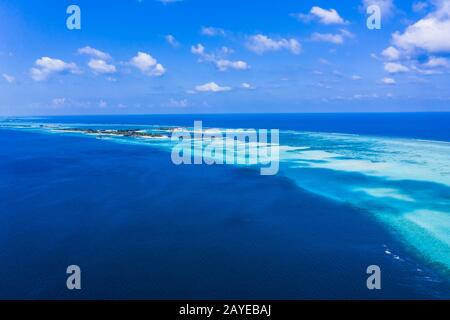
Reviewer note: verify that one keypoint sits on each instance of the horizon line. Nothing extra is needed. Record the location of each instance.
(221, 113)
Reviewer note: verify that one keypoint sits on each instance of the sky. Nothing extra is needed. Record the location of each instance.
(223, 56)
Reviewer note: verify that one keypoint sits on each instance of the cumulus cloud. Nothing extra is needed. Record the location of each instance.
(147, 64)
(198, 49)
(222, 64)
(95, 53)
(328, 37)
(393, 67)
(364, 96)
(391, 53)
(172, 41)
(388, 81)
(101, 66)
(211, 87)
(58, 102)
(212, 32)
(323, 16)
(247, 86)
(45, 66)
(427, 72)
(226, 50)
(436, 62)
(8, 78)
(261, 43)
(430, 34)
(181, 103)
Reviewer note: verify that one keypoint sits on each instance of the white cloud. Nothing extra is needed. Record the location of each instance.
(212, 32)
(58, 102)
(143, 61)
(68, 102)
(324, 16)
(261, 43)
(435, 62)
(198, 49)
(356, 77)
(327, 16)
(247, 86)
(172, 41)
(426, 72)
(391, 53)
(393, 67)
(8, 78)
(46, 66)
(347, 34)
(226, 50)
(364, 96)
(182, 103)
(224, 65)
(328, 37)
(430, 34)
(159, 70)
(94, 53)
(101, 66)
(211, 87)
(54, 65)
(389, 81)
(147, 64)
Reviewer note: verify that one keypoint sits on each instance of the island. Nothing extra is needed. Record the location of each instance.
(136, 133)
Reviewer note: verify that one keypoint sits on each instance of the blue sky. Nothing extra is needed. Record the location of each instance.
(219, 56)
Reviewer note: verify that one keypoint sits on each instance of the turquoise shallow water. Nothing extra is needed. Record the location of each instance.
(400, 183)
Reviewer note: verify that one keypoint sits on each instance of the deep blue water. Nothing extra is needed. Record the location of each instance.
(140, 227)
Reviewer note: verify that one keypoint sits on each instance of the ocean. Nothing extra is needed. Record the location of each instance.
(353, 190)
